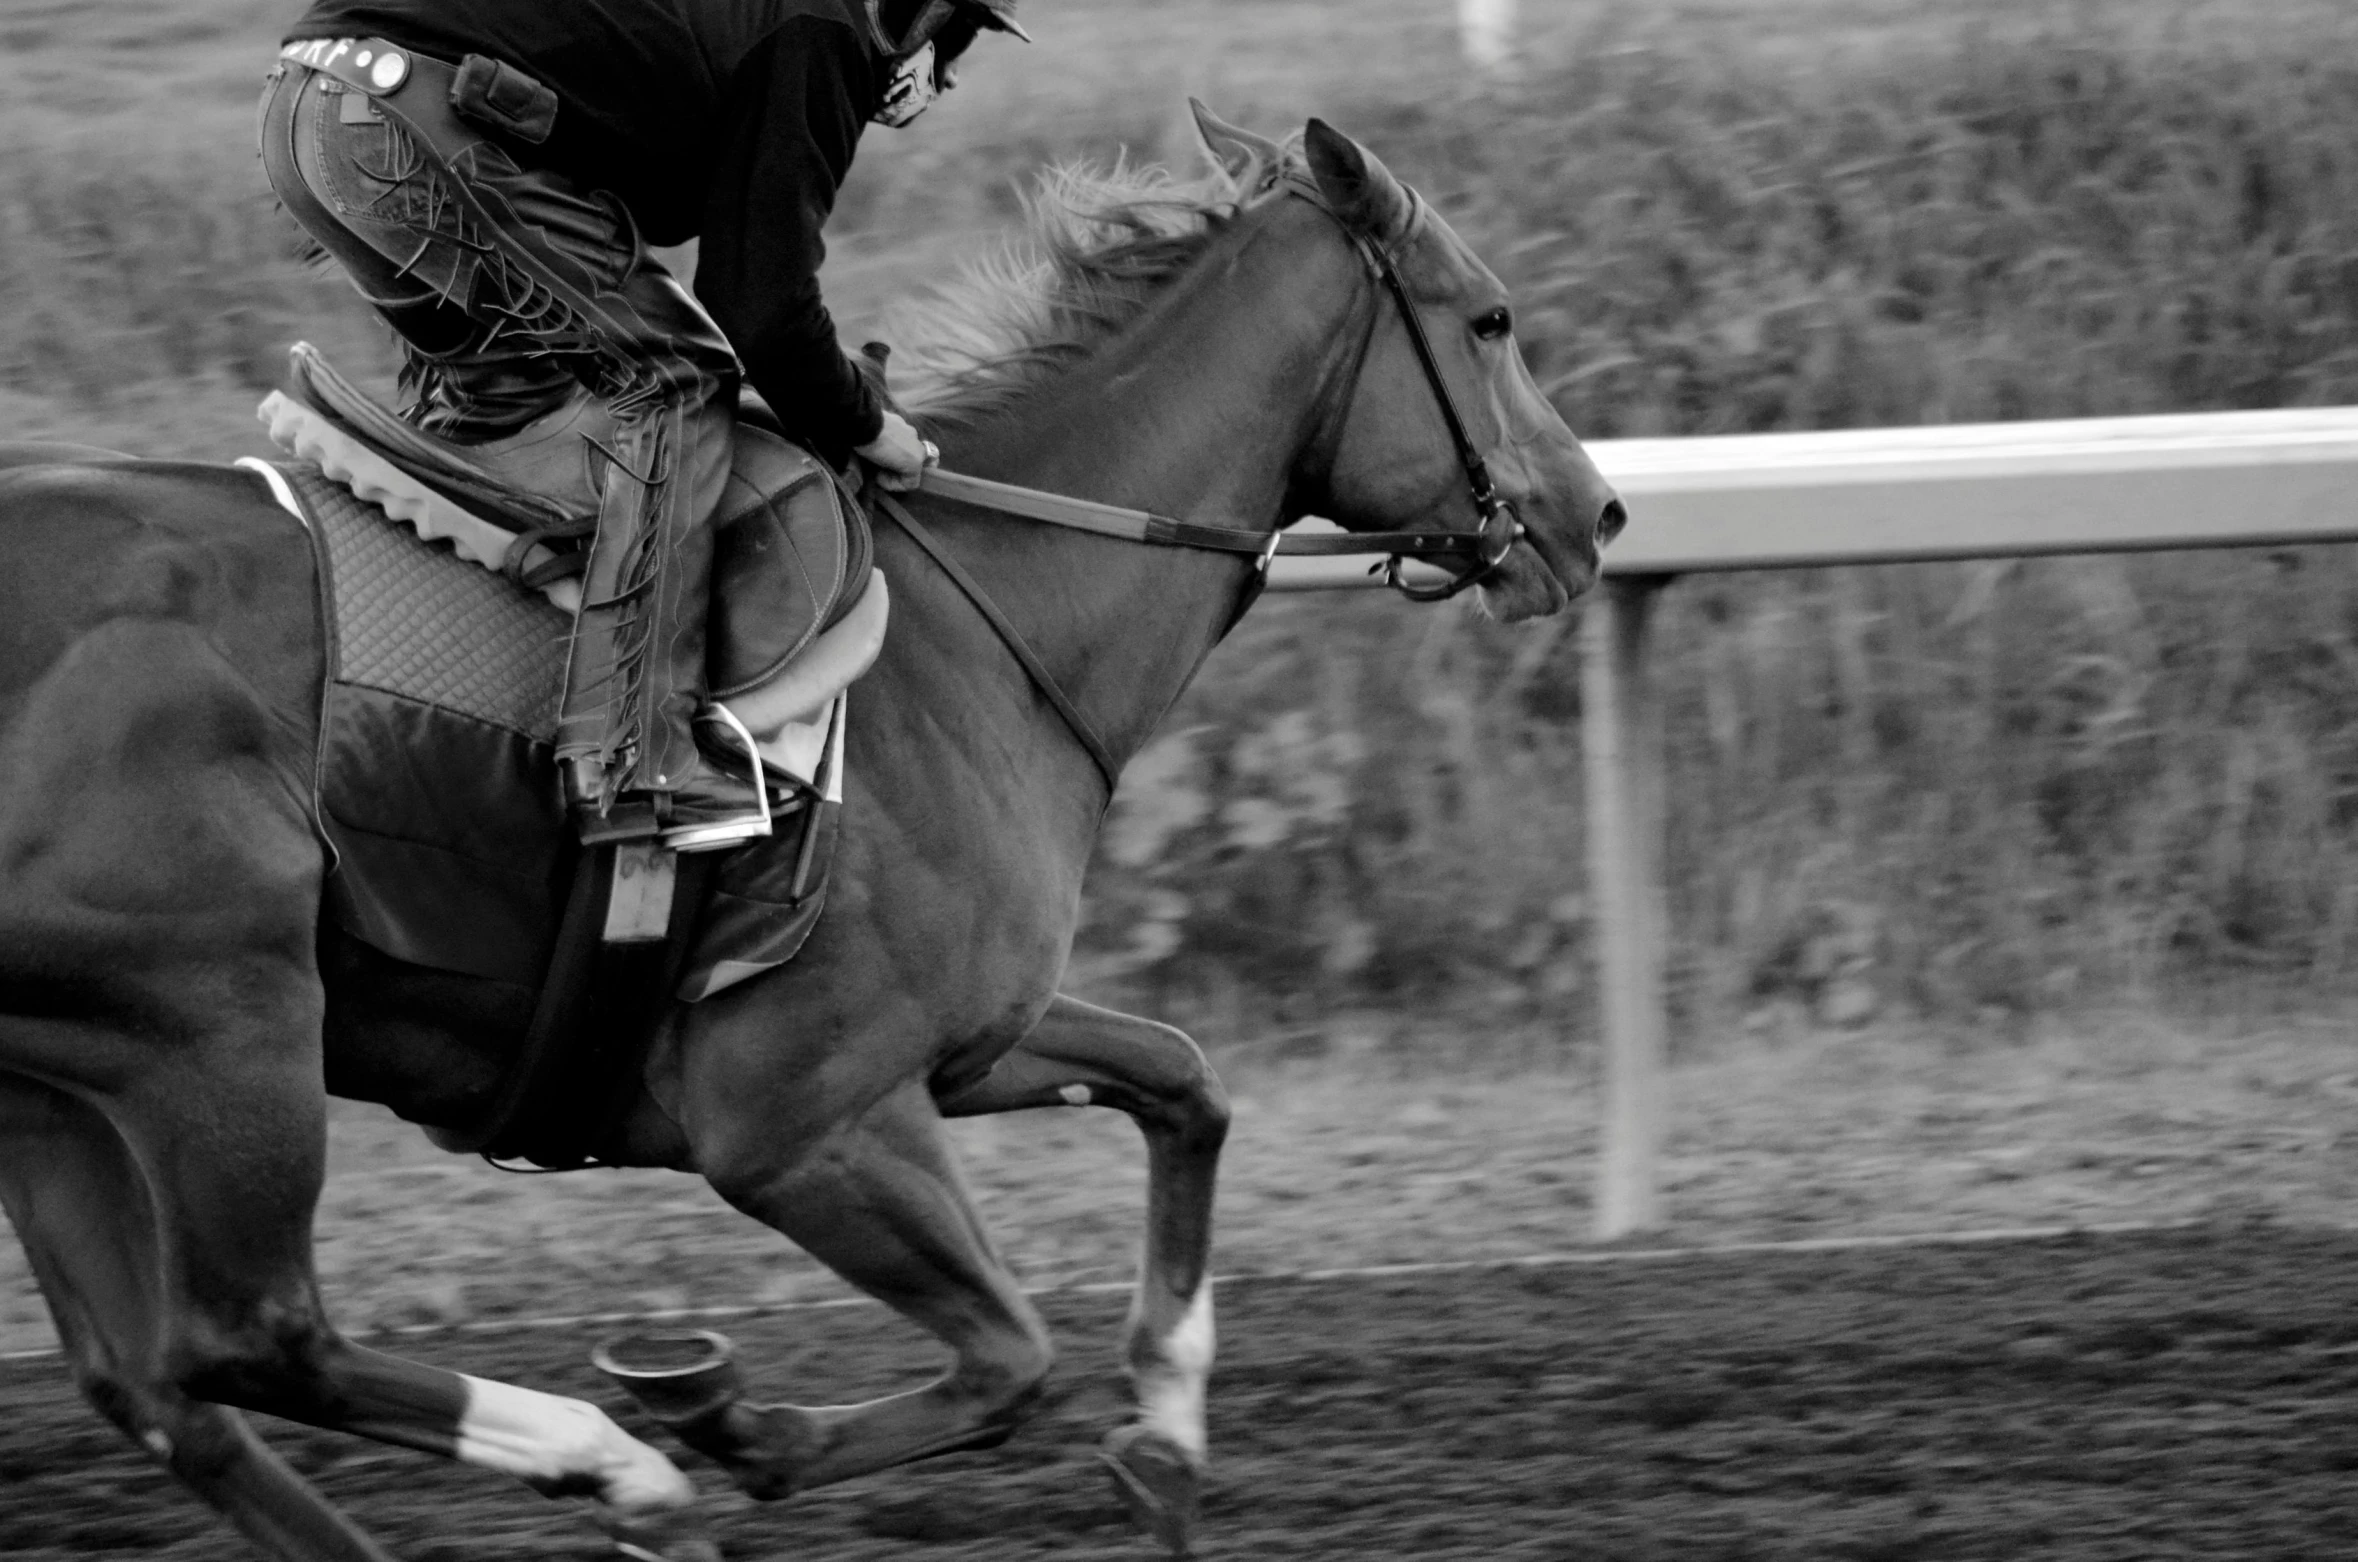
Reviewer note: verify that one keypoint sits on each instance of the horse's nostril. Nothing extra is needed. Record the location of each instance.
(1610, 520)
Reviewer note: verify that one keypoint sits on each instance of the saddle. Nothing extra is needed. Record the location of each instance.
(437, 784)
(790, 560)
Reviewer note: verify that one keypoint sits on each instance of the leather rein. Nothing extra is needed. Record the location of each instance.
(1487, 545)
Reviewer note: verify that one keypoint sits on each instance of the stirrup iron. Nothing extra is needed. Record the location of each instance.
(716, 834)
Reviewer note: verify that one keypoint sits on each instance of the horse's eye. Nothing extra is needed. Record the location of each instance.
(1491, 324)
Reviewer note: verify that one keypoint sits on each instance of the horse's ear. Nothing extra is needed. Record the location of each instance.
(1244, 158)
(1361, 190)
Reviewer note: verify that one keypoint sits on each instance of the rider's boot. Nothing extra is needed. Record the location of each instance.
(627, 731)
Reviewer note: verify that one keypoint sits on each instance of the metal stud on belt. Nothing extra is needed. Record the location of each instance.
(387, 71)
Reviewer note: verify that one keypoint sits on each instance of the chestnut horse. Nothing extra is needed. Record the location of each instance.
(174, 1012)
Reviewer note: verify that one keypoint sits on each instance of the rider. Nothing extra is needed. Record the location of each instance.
(492, 182)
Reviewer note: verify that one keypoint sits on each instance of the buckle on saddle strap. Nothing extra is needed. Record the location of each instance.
(638, 901)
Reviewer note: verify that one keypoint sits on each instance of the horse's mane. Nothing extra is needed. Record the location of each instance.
(1097, 245)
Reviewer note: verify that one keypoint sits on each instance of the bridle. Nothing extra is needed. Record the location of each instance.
(1500, 527)
(1487, 546)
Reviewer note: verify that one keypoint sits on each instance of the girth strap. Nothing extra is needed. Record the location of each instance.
(1041, 678)
(573, 1079)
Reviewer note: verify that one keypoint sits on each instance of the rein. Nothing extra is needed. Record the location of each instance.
(1112, 520)
(1488, 545)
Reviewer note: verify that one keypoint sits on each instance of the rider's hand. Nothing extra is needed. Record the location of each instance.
(899, 453)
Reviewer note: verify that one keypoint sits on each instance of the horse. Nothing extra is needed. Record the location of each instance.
(175, 1012)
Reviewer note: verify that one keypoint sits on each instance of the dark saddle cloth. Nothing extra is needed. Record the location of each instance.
(437, 780)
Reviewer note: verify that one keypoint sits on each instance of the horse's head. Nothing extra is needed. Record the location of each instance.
(1388, 460)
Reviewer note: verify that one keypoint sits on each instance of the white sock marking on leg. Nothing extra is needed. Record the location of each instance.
(1171, 1393)
(544, 1438)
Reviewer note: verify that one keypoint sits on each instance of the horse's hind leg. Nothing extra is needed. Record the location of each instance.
(174, 1248)
(879, 1201)
(81, 1208)
(1080, 1055)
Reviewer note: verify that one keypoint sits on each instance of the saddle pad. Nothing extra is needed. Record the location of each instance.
(437, 777)
(437, 774)
(410, 619)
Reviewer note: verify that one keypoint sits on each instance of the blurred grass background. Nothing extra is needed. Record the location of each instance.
(1966, 793)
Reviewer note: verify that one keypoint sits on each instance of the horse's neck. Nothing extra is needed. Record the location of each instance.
(1200, 411)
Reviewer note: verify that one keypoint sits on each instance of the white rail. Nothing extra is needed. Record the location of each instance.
(1965, 491)
(1873, 496)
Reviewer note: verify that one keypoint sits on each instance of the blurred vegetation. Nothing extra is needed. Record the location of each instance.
(1961, 791)
(1966, 791)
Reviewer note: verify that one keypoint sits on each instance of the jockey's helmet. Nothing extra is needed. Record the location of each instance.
(929, 17)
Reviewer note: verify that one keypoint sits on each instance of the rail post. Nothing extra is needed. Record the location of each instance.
(1621, 740)
(1486, 33)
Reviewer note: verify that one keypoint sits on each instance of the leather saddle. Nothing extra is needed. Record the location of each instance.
(792, 555)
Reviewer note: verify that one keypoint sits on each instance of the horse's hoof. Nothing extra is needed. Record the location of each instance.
(665, 1535)
(678, 1379)
(1158, 1482)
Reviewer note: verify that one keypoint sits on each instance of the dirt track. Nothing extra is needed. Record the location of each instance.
(2187, 1394)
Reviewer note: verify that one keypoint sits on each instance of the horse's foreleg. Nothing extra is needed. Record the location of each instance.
(1080, 1055)
(879, 1201)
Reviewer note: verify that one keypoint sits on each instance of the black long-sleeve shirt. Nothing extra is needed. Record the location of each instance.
(730, 121)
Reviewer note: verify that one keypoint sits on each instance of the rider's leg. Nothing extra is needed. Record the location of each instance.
(549, 276)
(1081, 1055)
(466, 384)
(636, 677)
(471, 380)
